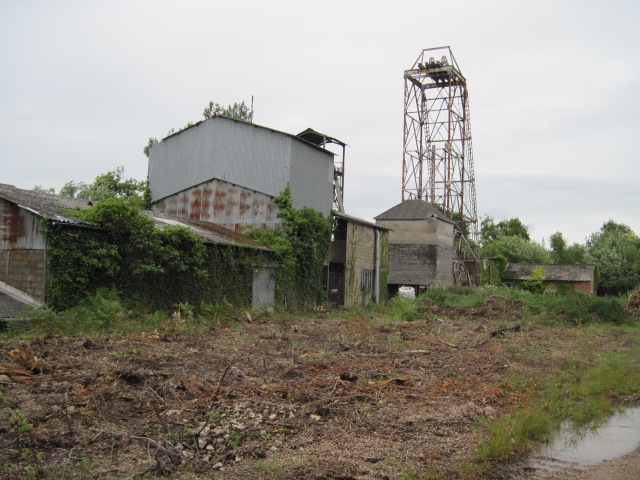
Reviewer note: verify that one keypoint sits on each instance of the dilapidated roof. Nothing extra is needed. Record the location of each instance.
(209, 232)
(317, 138)
(56, 208)
(414, 209)
(558, 273)
(45, 205)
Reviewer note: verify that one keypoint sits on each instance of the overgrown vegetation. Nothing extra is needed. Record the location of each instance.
(108, 185)
(615, 250)
(578, 392)
(574, 358)
(301, 248)
(149, 267)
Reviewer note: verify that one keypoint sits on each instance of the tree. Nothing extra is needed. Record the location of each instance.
(110, 185)
(490, 231)
(563, 254)
(616, 251)
(516, 249)
(238, 111)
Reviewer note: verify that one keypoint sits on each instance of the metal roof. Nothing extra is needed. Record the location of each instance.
(209, 232)
(297, 137)
(54, 207)
(360, 221)
(414, 209)
(562, 273)
(317, 138)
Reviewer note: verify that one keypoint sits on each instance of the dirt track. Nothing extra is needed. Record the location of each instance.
(316, 398)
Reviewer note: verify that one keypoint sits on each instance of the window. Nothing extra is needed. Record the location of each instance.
(366, 280)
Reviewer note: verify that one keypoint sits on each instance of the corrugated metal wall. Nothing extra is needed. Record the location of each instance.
(22, 250)
(311, 178)
(19, 228)
(242, 154)
(222, 203)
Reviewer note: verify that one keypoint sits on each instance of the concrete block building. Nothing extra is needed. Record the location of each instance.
(359, 261)
(421, 240)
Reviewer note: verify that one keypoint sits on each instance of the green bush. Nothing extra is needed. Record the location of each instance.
(403, 309)
(301, 248)
(151, 268)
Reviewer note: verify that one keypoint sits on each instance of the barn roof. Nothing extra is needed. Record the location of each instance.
(56, 208)
(560, 273)
(414, 209)
(45, 205)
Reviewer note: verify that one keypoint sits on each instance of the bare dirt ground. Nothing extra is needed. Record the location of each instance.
(326, 396)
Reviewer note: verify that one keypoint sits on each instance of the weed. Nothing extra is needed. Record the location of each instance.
(577, 391)
(19, 421)
(403, 309)
(235, 326)
(213, 416)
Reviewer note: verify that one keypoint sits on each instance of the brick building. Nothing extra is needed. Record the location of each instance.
(574, 277)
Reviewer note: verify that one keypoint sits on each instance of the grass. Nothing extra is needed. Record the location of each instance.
(105, 314)
(581, 393)
(584, 389)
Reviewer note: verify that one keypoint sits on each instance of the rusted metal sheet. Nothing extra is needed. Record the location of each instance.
(19, 228)
(223, 203)
(254, 157)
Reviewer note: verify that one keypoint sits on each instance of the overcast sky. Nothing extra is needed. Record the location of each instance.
(554, 91)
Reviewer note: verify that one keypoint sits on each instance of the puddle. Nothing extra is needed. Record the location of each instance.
(616, 437)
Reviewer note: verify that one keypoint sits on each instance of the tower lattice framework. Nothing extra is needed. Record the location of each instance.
(438, 156)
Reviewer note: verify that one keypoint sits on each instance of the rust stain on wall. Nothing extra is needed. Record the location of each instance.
(220, 202)
(195, 204)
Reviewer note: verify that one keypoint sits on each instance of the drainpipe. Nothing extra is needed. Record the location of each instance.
(377, 267)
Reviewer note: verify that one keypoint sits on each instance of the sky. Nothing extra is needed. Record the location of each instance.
(554, 92)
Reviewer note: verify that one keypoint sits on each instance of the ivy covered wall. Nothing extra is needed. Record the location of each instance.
(154, 268)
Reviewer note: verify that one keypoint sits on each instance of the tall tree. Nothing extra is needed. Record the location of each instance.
(490, 230)
(562, 253)
(516, 249)
(616, 251)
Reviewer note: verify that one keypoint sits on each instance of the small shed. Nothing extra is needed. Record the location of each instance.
(421, 240)
(23, 243)
(571, 277)
(359, 259)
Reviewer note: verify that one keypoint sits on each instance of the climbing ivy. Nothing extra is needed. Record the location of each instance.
(154, 268)
(301, 247)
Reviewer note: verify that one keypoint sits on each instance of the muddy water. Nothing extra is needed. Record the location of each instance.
(616, 437)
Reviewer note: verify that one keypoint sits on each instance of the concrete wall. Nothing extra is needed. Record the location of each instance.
(430, 231)
(24, 270)
(360, 255)
(420, 252)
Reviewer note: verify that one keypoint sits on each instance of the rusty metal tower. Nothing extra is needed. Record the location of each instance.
(437, 163)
